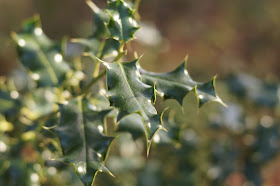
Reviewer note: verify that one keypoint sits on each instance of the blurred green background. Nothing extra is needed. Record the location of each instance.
(237, 146)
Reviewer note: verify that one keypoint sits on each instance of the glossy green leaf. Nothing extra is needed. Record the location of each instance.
(99, 43)
(83, 143)
(178, 83)
(122, 24)
(130, 95)
(40, 55)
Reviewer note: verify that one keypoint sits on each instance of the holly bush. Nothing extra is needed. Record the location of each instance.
(74, 100)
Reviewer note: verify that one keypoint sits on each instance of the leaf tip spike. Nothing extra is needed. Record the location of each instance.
(218, 99)
(135, 54)
(186, 60)
(93, 7)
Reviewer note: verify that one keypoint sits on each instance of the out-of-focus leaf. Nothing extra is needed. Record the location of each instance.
(253, 89)
(224, 154)
(17, 173)
(100, 43)
(9, 104)
(267, 139)
(133, 124)
(5, 125)
(99, 102)
(22, 82)
(122, 24)
(130, 95)
(82, 141)
(39, 103)
(149, 35)
(231, 117)
(101, 18)
(40, 55)
(178, 83)
(102, 48)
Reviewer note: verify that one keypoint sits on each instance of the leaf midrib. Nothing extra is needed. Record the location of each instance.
(172, 82)
(80, 106)
(46, 63)
(179, 84)
(125, 78)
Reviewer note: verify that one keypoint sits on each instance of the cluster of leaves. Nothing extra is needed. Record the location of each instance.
(58, 101)
(238, 145)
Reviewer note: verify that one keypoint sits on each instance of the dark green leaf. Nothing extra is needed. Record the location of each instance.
(7, 103)
(40, 55)
(178, 83)
(127, 93)
(259, 92)
(82, 141)
(122, 24)
(99, 43)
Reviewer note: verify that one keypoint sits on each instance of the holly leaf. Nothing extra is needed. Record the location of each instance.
(122, 24)
(130, 95)
(100, 18)
(99, 43)
(83, 143)
(40, 55)
(178, 83)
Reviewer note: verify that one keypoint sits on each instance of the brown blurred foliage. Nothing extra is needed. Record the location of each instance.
(219, 36)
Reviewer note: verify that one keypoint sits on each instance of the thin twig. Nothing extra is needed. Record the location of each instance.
(92, 82)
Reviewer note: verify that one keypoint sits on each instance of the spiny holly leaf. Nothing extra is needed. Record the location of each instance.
(127, 93)
(178, 83)
(101, 18)
(122, 24)
(99, 43)
(82, 141)
(40, 55)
